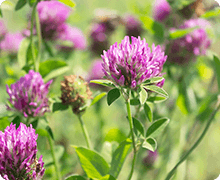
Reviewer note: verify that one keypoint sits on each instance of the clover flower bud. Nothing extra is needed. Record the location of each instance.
(161, 10)
(75, 92)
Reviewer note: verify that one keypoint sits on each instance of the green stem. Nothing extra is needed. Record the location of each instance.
(38, 28)
(32, 42)
(54, 157)
(85, 133)
(132, 134)
(195, 145)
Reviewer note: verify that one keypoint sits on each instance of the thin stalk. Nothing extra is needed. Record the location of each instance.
(32, 42)
(85, 133)
(132, 135)
(54, 157)
(38, 28)
(170, 174)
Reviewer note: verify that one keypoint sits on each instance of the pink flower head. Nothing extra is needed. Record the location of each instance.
(150, 158)
(18, 150)
(193, 44)
(75, 36)
(128, 65)
(52, 15)
(11, 42)
(29, 95)
(161, 10)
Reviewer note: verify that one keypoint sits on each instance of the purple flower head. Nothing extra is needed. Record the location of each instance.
(193, 44)
(149, 160)
(75, 36)
(18, 150)
(98, 32)
(132, 25)
(161, 10)
(29, 95)
(52, 15)
(3, 29)
(11, 42)
(128, 65)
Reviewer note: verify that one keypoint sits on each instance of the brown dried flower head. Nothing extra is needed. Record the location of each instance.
(75, 92)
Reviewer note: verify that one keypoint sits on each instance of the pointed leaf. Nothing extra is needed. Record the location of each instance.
(112, 95)
(156, 99)
(212, 13)
(217, 69)
(75, 177)
(143, 95)
(17, 121)
(157, 90)
(148, 112)
(20, 4)
(50, 132)
(119, 157)
(98, 97)
(150, 144)
(138, 127)
(103, 82)
(180, 32)
(153, 80)
(92, 163)
(157, 127)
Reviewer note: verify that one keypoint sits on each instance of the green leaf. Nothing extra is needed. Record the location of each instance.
(92, 163)
(180, 32)
(138, 127)
(119, 157)
(148, 112)
(1, 15)
(22, 52)
(103, 82)
(112, 95)
(98, 97)
(157, 89)
(108, 177)
(108, 149)
(69, 3)
(48, 48)
(115, 135)
(17, 121)
(150, 144)
(217, 69)
(153, 80)
(20, 4)
(156, 99)
(50, 132)
(31, 2)
(152, 26)
(55, 73)
(211, 14)
(75, 177)
(58, 106)
(157, 127)
(50, 65)
(35, 123)
(143, 95)
(135, 102)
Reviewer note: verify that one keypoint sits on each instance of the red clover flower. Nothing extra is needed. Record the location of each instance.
(29, 95)
(18, 150)
(129, 65)
(161, 10)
